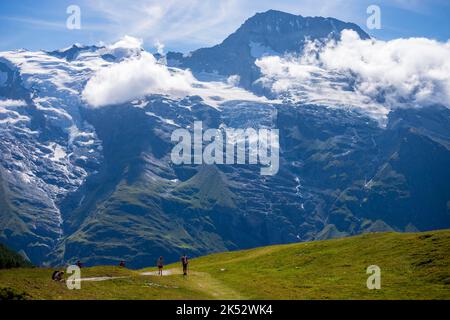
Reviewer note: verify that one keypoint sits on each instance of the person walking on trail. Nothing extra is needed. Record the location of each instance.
(160, 265)
(185, 262)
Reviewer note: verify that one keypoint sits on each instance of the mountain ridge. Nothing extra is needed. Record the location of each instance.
(271, 31)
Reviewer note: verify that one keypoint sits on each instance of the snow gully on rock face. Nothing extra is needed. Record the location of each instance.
(48, 149)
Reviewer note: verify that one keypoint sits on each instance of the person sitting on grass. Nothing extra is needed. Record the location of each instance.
(58, 276)
(185, 262)
(122, 264)
(160, 265)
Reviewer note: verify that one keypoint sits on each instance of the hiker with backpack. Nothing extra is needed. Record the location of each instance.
(185, 262)
(160, 264)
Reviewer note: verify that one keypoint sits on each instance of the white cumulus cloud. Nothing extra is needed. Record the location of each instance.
(371, 75)
(136, 77)
(159, 47)
(127, 46)
(140, 75)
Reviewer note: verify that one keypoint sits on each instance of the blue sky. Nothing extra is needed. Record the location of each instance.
(184, 25)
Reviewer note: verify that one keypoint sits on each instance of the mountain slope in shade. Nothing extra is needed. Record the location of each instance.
(10, 259)
(340, 175)
(209, 187)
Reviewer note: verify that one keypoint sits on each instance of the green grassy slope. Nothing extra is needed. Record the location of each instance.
(413, 266)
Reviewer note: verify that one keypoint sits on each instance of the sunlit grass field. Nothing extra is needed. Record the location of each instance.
(413, 266)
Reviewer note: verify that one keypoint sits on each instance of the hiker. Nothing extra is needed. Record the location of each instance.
(160, 265)
(79, 264)
(58, 275)
(122, 264)
(184, 262)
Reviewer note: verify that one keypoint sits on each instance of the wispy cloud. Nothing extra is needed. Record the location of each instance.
(56, 24)
(198, 21)
(39, 23)
(417, 6)
(201, 22)
(207, 22)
